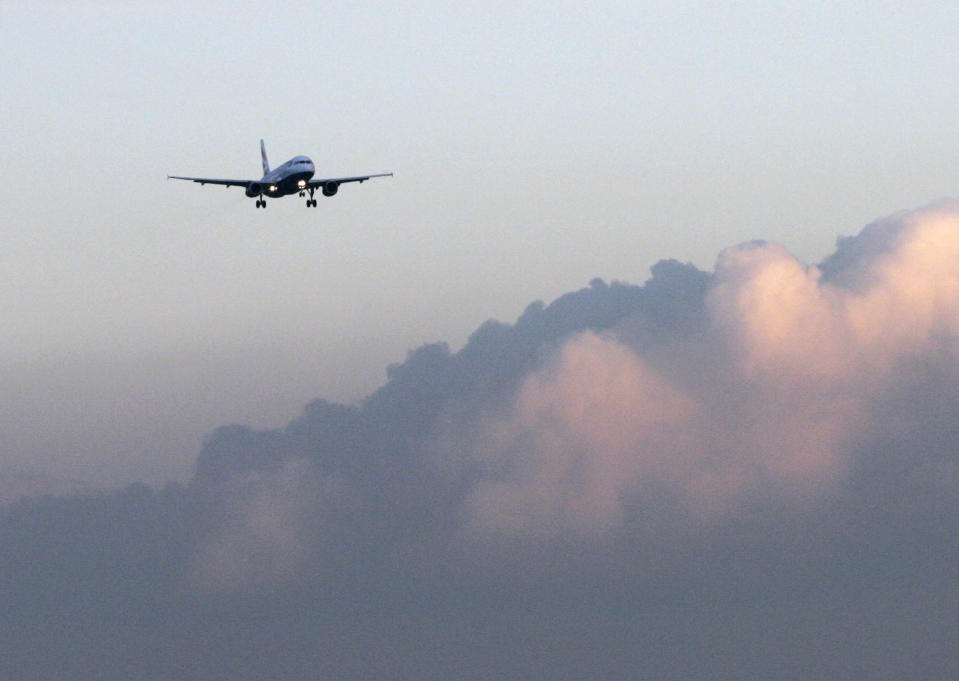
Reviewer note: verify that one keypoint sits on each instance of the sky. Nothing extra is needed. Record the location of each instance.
(533, 150)
(747, 473)
(642, 365)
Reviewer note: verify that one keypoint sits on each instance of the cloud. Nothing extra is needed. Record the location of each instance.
(774, 398)
(760, 446)
(263, 527)
(623, 410)
(582, 431)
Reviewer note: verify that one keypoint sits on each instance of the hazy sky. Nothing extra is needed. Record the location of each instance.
(724, 448)
(745, 474)
(533, 150)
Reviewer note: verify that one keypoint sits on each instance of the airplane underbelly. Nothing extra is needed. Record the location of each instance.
(288, 185)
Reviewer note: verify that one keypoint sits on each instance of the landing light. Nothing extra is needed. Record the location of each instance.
(272, 187)
(301, 184)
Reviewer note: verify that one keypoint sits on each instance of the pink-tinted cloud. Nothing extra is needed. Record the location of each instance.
(772, 399)
(582, 430)
(265, 528)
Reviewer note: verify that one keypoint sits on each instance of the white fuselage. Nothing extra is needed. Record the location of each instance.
(293, 177)
(289, 178)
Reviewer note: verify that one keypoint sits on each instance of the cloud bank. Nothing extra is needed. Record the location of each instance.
(778, 394)
(767, 439)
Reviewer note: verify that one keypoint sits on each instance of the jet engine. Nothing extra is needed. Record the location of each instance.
(329, 189)
(254, 189)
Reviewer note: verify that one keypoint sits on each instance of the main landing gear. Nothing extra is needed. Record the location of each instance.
(261, 203)
(310, 202)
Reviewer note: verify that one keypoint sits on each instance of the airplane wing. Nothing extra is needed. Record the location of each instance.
(340, 180)
(210, 180)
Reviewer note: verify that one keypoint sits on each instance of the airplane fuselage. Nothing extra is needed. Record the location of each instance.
(293, 177)
(290, 178)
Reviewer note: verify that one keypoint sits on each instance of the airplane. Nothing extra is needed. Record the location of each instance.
(293, 177)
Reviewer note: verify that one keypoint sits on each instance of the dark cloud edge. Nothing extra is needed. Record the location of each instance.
(405, 508)
(109, 580)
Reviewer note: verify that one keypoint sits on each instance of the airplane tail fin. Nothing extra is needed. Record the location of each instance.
(266, 164)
